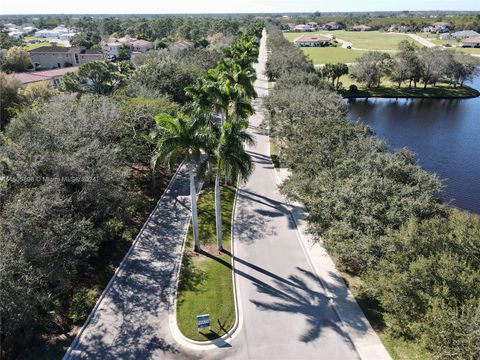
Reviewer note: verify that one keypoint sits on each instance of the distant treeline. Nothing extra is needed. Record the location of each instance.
(192, 28)
(459, 22)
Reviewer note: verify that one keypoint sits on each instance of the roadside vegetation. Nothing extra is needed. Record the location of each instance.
(206, 285)
(80, 170)
(206, 272)
(413, 260)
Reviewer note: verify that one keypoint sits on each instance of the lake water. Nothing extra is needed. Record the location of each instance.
(445, 134)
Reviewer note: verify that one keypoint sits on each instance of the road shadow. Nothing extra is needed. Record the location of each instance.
(132, 319)
(301, 293)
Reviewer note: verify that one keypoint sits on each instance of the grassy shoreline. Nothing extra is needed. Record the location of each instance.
(206, 285)
(439, 92)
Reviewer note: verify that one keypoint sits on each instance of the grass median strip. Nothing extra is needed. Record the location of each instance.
(206, 278)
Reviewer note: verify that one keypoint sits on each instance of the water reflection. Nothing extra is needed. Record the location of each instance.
(445, 134)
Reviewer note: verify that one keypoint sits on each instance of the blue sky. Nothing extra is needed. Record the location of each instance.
(225, 6)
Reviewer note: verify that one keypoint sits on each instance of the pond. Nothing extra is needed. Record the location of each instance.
(445, 135)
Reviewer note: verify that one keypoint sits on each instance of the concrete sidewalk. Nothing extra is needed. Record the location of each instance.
(130, 320)
(366, 341)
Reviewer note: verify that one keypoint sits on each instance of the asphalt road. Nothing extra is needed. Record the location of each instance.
(285, 312)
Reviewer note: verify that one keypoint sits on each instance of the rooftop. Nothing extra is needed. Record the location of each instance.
(52, 49)
(475, 39)
(308, 38)
(45, 75)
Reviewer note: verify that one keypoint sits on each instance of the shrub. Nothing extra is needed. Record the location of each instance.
(353, 88)
(82, 303)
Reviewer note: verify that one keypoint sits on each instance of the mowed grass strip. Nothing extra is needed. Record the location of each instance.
(331, 55)
(206, 285)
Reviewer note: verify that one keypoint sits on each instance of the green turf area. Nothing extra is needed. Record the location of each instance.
(26, 38)
(370, 40)
(35, 46)
(326, 55)
(206, 285)
(391, 90)
(399, 349)
(475, 51)
(444, 42)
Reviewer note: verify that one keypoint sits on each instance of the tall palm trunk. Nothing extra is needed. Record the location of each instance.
(193, 196)
(218, 211)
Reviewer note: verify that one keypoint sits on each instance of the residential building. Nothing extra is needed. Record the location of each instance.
(313, 41)
(472, 42)
(302, 28)
(142, 46)
(332, 25)
(182, 44)
(32, 77)
(459, 35)
(313, 25)
(438, 27)
(51, 57)
(60, 32)
(111, 46)
(287, 27)
(361, 27)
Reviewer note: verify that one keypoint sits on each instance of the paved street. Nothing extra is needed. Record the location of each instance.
(131, 321)
(286, 314)
(285, 311)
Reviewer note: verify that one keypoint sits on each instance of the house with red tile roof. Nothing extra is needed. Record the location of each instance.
(313, 41)
(472, 42)
(52, 76)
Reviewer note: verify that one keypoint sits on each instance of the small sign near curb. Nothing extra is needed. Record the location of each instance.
(203, 321)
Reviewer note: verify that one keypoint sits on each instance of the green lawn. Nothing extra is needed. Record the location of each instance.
(475, 51)
(35, 46)
(371, 40)
(444, 42)
(391, 90)
(325, 55)
(206, 285)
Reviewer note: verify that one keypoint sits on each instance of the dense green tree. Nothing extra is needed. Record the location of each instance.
(18, 59)
(369, 68)
(98, 77)
(163, 76)
(61, 173)
(9, 99)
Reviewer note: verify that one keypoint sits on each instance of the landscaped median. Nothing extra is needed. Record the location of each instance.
(206, 285)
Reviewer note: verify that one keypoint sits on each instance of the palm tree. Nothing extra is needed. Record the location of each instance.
(231, 157)
(182, 139)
